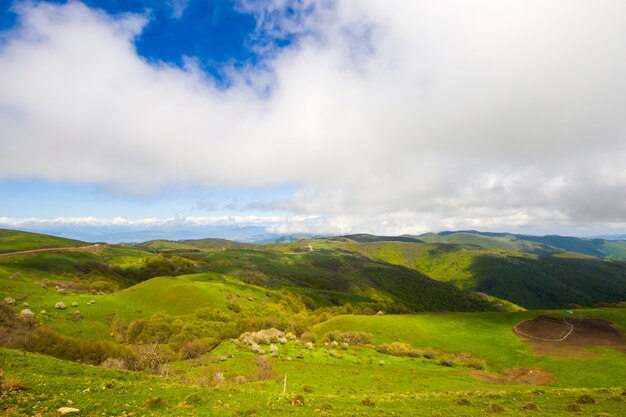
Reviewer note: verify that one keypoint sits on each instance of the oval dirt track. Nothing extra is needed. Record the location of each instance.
(567, 337)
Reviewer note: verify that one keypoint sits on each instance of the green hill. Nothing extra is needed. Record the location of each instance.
(212, 327)
(489, 336)
(14, 241)
(540, 245)
(338, 278)
(531, 281)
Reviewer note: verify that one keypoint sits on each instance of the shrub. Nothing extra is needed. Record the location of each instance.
(585, 399)
(463, 401)
(368, 402)
(494, 408)
(155, 402)
(399, 349)
(530, 407)
(262, 337)
(114, 363)
(194, 349)
(573, 408)
(273, 350)
(352, 338)
(264, 369)
(10, 384)
(307, 337)
(476, 364)
(149, 358)
(325, 407)
(429, 353)
(448, 360)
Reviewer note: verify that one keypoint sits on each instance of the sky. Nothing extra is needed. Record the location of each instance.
(184, 118)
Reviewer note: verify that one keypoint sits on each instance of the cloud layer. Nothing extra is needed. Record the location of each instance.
(397, 116)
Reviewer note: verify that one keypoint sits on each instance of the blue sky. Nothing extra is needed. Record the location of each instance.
(312, 116)
(215, 33)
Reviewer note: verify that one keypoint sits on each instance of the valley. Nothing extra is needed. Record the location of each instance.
(353, 325)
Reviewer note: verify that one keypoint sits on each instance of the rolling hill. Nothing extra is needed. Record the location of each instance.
(177, 319)
(15, 241)
(540, 245)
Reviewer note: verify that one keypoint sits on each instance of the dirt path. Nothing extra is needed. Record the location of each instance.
(89, 248)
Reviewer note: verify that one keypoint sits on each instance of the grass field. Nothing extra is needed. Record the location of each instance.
(138, 301)
(489, 336)
(14, 241)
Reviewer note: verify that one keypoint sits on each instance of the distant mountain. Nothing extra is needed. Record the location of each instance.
(286, 238)
(540, 245)
(533, 276)
(363, 238)
(432, 272)
(611, 237)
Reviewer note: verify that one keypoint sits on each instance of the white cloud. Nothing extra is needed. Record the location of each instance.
(178, 7)
(394, 116)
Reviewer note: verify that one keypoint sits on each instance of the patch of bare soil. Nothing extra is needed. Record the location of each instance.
(517, 376)
(569, 338)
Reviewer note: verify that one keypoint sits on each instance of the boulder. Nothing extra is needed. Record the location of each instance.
(60, 305)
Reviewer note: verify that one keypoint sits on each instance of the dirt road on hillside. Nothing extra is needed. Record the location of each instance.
(89, 248)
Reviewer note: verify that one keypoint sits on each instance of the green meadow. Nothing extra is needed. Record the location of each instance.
(361, 326)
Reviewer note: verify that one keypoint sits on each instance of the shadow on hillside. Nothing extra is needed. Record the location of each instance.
(549, 281)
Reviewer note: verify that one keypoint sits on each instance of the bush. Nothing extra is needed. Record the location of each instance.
(429, 354)
(114, 363)
(476, 364)
(92, 352)
(264, 369)
(352, 338)
(447, 360)
(494, 408)
(573, 408)
(530, 407)
(399, 349)
(155, 402)
(308, 337)
(262, 337)
(586, 399)
(194, 349)
(297, 400)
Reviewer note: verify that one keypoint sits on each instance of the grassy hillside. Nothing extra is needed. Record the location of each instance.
(14, 241)
(500, 242)
(193, 244)
(42, 385)
(540, 245)
(324, 272)
(489, 336)
(179, 317)
(531, 281)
